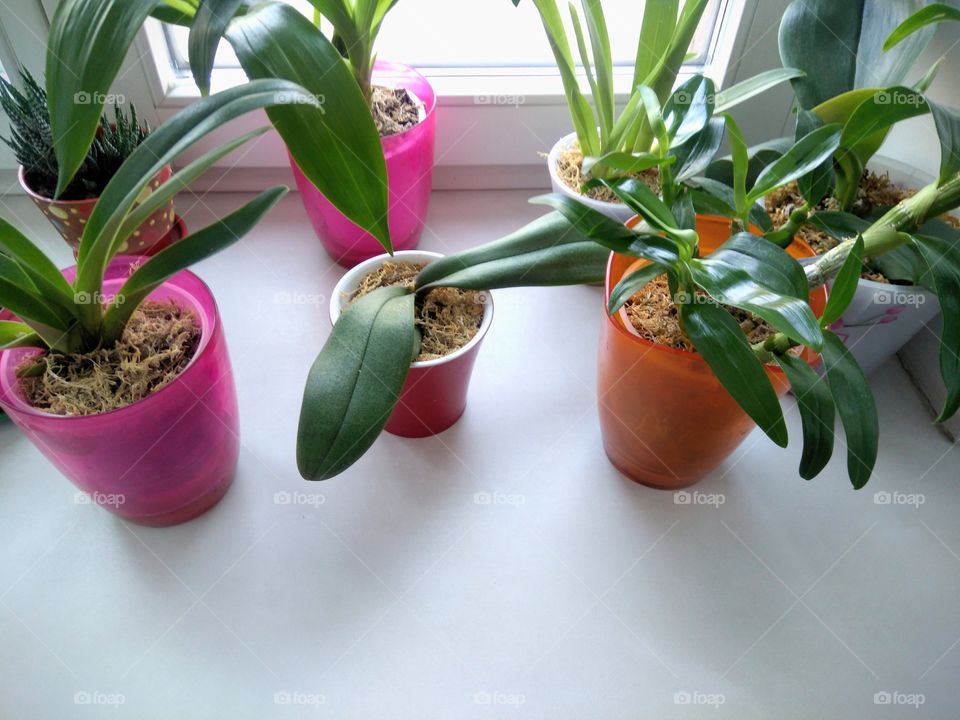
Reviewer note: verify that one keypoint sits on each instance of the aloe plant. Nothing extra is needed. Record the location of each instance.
(333, 138)
(623, 143)
(74, 317)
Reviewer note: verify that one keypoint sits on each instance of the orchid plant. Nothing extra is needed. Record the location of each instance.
(76, 317)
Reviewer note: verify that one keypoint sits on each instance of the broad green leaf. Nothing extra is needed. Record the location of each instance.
(566, 264)
(721, 342)
(942, 262)
(176, 12)
(631, 284)
(761, 259)
(192, 249)
(86, 46)
(715, 198)
(207, 29)
(17, 334)
(552, 230)
(947, 121)
(641, 199)
(839, 109)
(854, 402)
(868, 126)
(838, 225)
(930, 15)
(839, 46)
(333, 139)
(804, 157)
(844, 286)
(684, 211)
(817, 413)
(689, 109)
(355, 382)
(695, 154)
(751, 87)
(734, 286)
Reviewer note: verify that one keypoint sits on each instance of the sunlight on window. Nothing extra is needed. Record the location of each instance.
(492, 33)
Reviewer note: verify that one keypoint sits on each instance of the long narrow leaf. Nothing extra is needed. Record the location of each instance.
(207, 29)
(844, 286)
(721, 342)
(817, 414)
(858, 412)
(930, 15)
(631, 284)
(751, 87)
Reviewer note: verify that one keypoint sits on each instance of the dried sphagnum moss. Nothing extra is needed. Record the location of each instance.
(654, 316)
(156, 346)
(448, 318)
(394, 110)
(569, 170)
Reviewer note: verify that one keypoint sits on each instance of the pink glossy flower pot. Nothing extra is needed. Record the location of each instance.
(165, 459)
(409, 157)
(434, 395)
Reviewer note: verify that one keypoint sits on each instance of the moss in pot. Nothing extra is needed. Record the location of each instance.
(102, 364)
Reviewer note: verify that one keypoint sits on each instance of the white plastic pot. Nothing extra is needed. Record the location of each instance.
(882, 318)
(617, 211)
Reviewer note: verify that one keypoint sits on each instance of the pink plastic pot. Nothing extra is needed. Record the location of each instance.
(434, 394)
(409, 157)
(160, 461)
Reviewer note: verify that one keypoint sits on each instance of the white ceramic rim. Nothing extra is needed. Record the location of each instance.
(599, 205)
(351, 279)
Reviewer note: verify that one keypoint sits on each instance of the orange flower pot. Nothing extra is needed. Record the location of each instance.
(665, 418)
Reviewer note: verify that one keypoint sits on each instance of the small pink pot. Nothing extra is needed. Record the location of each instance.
(434, 394)
(70, 216)
(165, 459)
(409, 157)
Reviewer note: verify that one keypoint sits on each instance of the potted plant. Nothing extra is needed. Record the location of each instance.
(372, 374)
(332, 139)
(605, 144)
(403, 106)
(865, 93)
(32, 143)
(117, 369)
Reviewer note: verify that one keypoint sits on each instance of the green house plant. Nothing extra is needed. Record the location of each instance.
(355, 383)
(605, 143)
(89, 39)
(117, 369)
(866, 94)
(31, 140)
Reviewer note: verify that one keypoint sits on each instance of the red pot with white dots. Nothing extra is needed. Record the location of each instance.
(70, 216)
